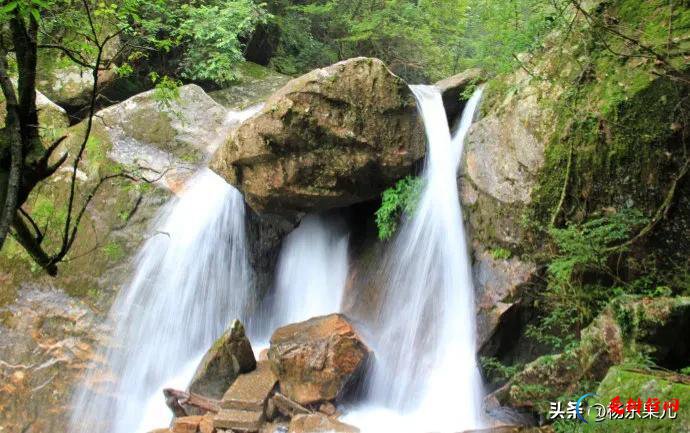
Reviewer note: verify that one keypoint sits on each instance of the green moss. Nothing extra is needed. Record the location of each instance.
(113, 250)
(500, 253)
(640, 384)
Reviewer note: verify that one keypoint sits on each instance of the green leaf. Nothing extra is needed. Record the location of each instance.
(9, 7)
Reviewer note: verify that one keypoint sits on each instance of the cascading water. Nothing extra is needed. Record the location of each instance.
(426, 376)
(191, 280)
(312, 270)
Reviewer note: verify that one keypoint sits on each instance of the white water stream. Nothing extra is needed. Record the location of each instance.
(426, 376)
(312, 270)
(191, 280)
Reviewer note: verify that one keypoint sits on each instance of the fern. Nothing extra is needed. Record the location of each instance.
(396, 201)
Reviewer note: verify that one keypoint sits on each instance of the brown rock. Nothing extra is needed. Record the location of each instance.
(452, 88)
(242, 420)
(330, 138)
(161, 430)
(251, 391)
(319, 423)
(288, 407)
(230, 356)
(318, 359)
(328, 408)
(206, 424)
(187, 424)
(499, 283)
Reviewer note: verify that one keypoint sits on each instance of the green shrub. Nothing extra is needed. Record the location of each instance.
(399, 199)
(496, 371)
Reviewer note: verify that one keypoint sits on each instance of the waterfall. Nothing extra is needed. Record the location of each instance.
(191, 280)
(311, 272)
(426, 376)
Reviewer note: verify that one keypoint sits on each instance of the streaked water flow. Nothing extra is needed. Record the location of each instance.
(312, 270)
(191, 280)
(426, 376)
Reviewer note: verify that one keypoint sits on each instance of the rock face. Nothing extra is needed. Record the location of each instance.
(47, 340)
(230, 356)
(319, 423)
(186, 126)
(317, 360)
(50, 115)
(451, 89)
(548, 377)
(644, 384)
(647, 325)
(498, 281)
(330, 138)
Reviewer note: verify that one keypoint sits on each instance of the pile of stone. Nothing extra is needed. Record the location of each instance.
(295, 386)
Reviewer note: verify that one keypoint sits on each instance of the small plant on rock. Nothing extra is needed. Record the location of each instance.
(396, 201)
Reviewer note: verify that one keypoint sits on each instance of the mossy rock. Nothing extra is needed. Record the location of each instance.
(635, 384)
(552, 376)
(331, 138)
(255, 83)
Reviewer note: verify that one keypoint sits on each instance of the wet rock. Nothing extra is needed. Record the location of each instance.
(548, 377)
(652, 326)
(230, 356)
(646, 325)
(319, 423)
(288, 407)
(328, 409)
(186, 127)
(333, 137)
(504, 152)
(645, 384)
(452, 88)
(239, 420)
(47, 341)
(245, 403)
(251, 391)
(498, 282)
(187, 424)
(317, 360)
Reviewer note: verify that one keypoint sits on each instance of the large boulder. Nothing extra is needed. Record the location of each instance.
(317, 360)
(452, 89)
(629, 324)
(330, 138)
(71, 86)
(52, 117)
(187, 126)
(643, 384)
(230, 356)
(548, 377)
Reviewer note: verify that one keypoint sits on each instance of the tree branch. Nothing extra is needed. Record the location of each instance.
(13, 135)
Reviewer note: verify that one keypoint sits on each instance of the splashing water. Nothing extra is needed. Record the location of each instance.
(191, 280)
(426, 376)
(312, 270)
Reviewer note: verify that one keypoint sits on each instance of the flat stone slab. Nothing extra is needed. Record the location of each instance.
(242, 420)
(250, 391)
